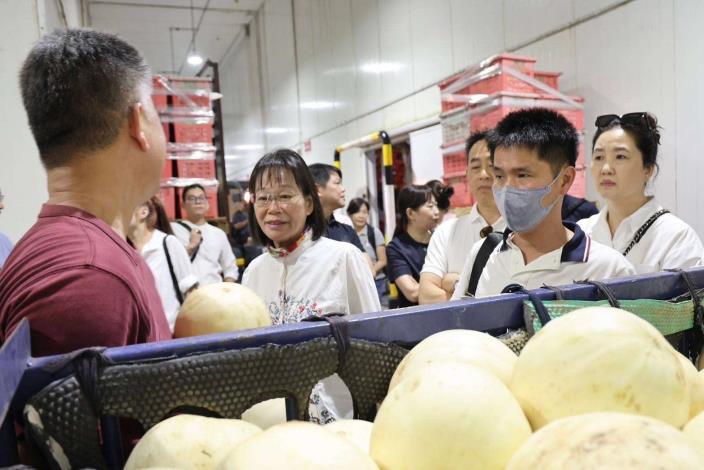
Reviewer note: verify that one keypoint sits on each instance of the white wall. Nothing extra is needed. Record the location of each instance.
(619, 55)
(22, 177)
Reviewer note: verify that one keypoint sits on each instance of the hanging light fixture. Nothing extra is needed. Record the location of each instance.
(193, 57)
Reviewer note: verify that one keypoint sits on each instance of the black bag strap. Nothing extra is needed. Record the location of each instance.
(696, 300)
(538, 304)
(644, 228)
(340, 331)
(604, 290)
(88, 365)
(559, 292)
(371, 237)
(490, 242)
(174, 281)
(188, 227)
(693, 339)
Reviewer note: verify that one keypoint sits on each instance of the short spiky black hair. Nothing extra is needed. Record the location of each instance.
(77, 86)
(190, 187)
(473, 139)
(545, 131)
(322, 172)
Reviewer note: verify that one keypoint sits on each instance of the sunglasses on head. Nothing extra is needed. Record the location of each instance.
(628, 118)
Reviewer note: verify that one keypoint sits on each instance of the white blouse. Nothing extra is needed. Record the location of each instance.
(669, 243)
(153, 253)
(316, 278)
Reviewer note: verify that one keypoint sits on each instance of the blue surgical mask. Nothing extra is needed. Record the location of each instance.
(521, 208)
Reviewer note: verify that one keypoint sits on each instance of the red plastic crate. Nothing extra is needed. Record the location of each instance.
(551, 79)
(193, 133)
(454, 164)
(461, 197)
(455, 126)
(168, 200)
(198, 101)
(497, 82)
(167, 171)
(506, 103)
(211, 193)
(160, 102)
(195, 169)
(521, 63)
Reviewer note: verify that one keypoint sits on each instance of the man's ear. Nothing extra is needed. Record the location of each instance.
(568, 175)
(136, 125)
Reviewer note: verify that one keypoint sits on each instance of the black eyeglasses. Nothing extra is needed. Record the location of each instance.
(628, 118)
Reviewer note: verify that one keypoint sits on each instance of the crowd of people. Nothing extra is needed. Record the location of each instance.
(103, 266)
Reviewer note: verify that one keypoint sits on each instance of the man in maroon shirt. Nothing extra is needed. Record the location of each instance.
(73, 275)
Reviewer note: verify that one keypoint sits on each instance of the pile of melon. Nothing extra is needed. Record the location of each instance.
(598, 388)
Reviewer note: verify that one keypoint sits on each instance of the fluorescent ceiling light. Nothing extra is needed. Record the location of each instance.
(318, 104)
(276, 130)
(195, 59)
(381, 67)
(233, 157)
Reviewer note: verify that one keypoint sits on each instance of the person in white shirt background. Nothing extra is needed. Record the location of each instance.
(210, 251)
(533, 154)
(452, 240)
(150, 234)
(303, 273)
(624, 159)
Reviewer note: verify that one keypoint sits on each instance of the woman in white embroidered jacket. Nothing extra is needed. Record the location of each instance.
(624, 154)
(301, 273)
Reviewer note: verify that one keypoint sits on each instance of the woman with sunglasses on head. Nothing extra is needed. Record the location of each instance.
(303, 274)
(624, 159)
(406, 251)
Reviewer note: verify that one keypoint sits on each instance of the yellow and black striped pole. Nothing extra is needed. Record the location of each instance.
(388, 186)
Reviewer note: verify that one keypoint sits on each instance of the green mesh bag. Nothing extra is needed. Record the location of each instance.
(667, 316)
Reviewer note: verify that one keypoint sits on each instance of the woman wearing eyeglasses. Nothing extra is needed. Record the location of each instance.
(302, 273)
(624, 159)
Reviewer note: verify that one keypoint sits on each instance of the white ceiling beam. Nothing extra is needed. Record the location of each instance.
(170, 6)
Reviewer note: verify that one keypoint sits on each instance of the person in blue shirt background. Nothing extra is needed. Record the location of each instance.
(5, 243)
(419, 216)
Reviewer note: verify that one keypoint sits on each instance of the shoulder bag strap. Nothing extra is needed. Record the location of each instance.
(188, 227)
(644, 228)
(179, 295)
(371, 237)
(490, 242)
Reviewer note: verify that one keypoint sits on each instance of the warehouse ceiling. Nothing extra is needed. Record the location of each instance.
(162, 31)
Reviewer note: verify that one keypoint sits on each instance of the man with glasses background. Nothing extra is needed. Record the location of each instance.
(210, 251)
(5, 243)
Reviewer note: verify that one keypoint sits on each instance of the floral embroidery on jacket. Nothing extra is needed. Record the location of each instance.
(289, 309)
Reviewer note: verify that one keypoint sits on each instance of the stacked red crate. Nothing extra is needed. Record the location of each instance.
(185, 107)
(480, 96)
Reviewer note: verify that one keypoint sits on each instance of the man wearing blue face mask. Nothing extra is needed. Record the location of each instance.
(534, 152)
